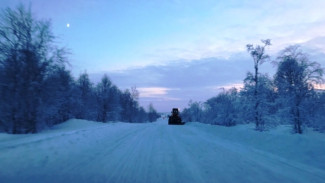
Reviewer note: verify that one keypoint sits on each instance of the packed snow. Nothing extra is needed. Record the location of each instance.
(85, 151)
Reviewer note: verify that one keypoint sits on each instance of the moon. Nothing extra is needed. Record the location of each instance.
(68, 25)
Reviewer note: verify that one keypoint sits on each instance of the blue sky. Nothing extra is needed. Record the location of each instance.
(175, 50)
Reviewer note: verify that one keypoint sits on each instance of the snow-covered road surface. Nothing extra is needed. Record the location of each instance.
(82, 151)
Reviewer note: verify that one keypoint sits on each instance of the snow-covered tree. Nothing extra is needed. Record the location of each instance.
(194, 112)
(294, 80)
(57, 99)
(142, 115)
(84, 98)
(259, 57)
(315, 109)
(266, 96)
(107, 100)
(222, 109)
(152, 113)
(130, 109)
(27, 56)
(129, 106)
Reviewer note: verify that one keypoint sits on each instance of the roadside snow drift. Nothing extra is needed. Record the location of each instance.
(84, 151)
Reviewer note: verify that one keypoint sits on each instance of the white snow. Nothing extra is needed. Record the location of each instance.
(84, 151)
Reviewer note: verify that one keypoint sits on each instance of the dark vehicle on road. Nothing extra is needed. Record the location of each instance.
(175, 119)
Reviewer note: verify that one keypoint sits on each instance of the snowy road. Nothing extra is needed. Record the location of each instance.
(155, 152)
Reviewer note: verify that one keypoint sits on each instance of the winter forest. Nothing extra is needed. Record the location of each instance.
(162, 91)
(37, 90)
(288, 97)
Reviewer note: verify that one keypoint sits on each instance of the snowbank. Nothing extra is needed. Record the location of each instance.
(305, 148)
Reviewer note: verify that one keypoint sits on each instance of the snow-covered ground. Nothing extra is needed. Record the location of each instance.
(83, 151)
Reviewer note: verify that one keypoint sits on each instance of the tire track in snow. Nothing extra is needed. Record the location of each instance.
(150, 153)
(76, 151)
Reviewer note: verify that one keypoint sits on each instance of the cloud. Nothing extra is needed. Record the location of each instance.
(317, 43)
(219, 88)
(319, 86)
(233, 24)
(186, 74)
(154, 92)
(207, 52)
(177, 82)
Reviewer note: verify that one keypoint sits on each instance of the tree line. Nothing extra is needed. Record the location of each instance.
(289, 97)
(37, 90)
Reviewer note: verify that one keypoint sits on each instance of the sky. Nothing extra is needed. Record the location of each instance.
(175, 51)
